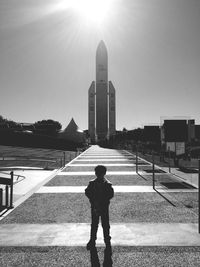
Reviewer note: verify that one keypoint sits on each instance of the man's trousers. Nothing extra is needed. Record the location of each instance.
(104, 214)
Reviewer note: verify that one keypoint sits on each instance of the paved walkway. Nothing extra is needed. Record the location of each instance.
(117, 189)
(135, 201)
(72, 234)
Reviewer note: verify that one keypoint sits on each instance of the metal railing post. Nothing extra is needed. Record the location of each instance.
(153, 170)
(64, 158)
(199, 194)
(136, 159)
(11, 190)
(77, 154)
(1, 197)
(169, 156)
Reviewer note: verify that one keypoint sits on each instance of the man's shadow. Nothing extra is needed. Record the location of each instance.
(95, 259)
(108, 257)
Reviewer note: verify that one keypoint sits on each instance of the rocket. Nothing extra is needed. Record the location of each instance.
(101, 100)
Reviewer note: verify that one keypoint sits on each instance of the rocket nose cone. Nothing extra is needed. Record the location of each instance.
(101, 46)
(101, 43)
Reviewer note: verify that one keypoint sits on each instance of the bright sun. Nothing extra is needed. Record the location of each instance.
(92, 10)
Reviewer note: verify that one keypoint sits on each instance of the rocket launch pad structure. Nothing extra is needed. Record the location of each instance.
(101, 100)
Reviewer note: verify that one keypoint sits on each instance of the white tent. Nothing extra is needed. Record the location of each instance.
(73, 133)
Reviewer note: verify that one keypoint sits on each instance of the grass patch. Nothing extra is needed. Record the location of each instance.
(91, 168)
(34, 157)
(75, 208)
(84, 180)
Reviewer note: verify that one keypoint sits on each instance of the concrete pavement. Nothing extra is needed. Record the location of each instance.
(117, 189)
(71, 234)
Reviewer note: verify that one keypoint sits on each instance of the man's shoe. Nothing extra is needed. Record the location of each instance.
(90, 245)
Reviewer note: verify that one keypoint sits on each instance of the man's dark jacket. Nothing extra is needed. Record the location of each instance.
(100, 192)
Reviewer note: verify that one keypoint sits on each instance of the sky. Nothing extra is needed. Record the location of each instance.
(47, 59)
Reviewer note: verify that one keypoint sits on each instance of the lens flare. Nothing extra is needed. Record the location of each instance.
(91, 10)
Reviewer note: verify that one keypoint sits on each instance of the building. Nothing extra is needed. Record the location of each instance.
(177, 133)
(197, 133)
(101, 100)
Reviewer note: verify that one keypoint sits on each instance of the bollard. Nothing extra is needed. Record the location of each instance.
(153, 171)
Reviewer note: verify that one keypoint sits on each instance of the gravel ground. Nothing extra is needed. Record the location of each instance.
(84, 180)
(144, 179)
(78, 256)
(189, 200)
(91, 168)
(109, 168)
(75, 208)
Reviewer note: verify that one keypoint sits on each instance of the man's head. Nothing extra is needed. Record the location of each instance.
(100, 171)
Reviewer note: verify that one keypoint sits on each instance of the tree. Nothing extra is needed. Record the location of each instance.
(2, 119)
(10, 123)
(48, 127)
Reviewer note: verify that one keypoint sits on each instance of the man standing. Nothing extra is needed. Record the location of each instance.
(99, 192)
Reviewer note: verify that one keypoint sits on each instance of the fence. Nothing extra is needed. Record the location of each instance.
(38, 162)
(168, 185)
